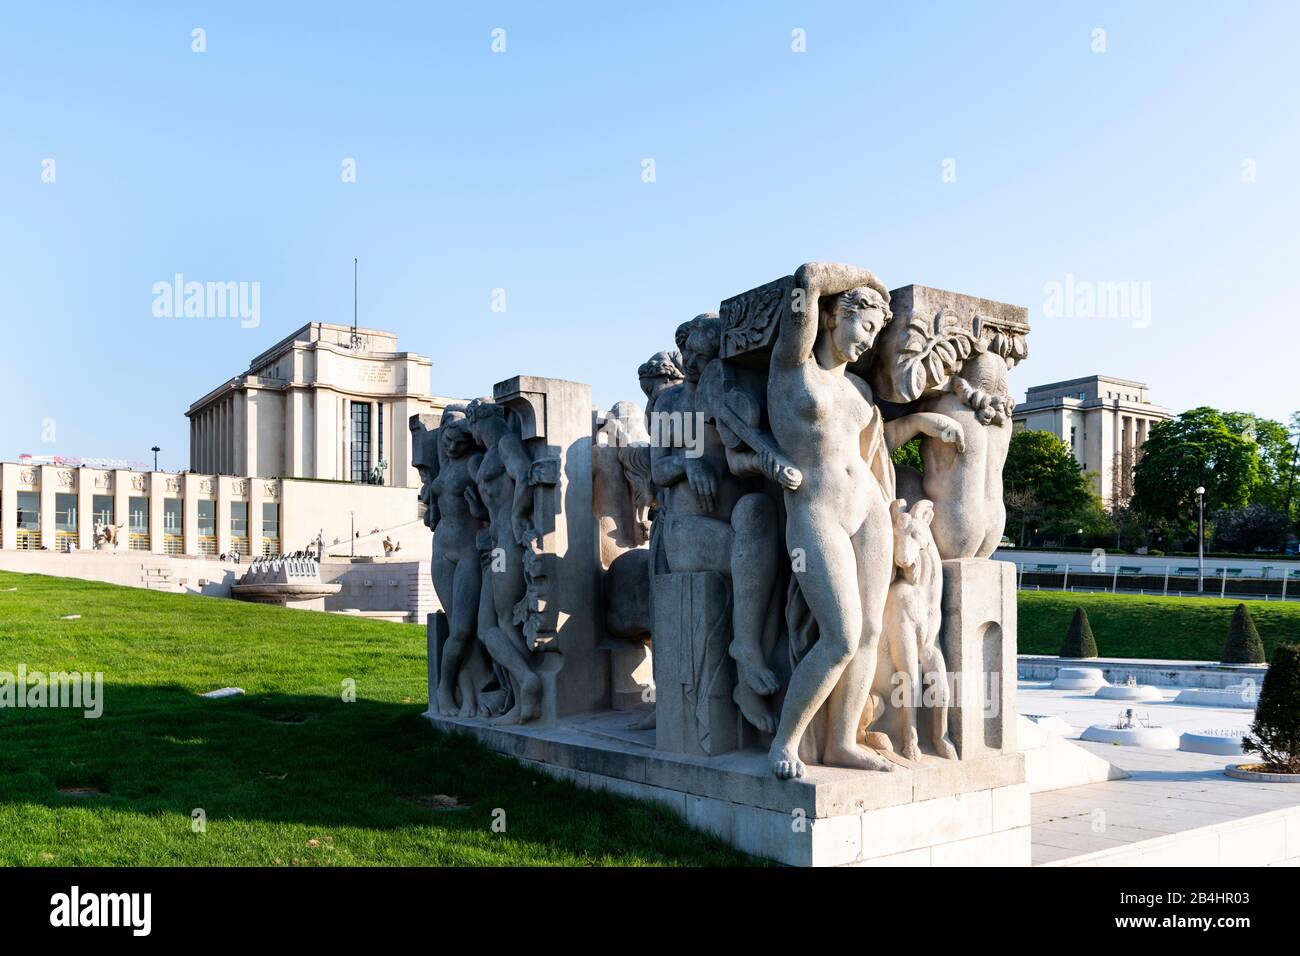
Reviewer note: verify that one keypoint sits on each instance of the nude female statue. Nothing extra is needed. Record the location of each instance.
(837, 515)
(457, 577)
(506, 498)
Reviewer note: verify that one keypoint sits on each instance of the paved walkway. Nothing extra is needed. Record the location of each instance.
(1174, 808)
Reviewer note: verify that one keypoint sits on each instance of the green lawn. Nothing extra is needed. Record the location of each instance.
(1127, 625)
(290, 774)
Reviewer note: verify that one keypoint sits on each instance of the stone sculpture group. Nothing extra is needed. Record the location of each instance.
(744, 552)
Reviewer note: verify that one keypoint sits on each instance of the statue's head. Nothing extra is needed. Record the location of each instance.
(623, 424)
(986, 389)
(457, 440)
(854, 323)
(986, 371)
(699, 341)
(662, 371)
(481, 414)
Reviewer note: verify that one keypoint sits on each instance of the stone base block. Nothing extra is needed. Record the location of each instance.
(694, 675)
(932, 813)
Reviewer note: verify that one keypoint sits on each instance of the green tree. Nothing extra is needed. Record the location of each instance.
(1243, 645)
(1289, 504)
(1044, 487)
(1275, 733)
(1196, 448)
(1245, 529)
(1276, 454)
(1079, 641)
(909, 453)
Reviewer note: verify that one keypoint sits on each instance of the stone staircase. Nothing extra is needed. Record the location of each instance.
(157, 578)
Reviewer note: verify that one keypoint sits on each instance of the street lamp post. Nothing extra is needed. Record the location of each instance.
(155, 449)
(1200, 538)
(353, 551)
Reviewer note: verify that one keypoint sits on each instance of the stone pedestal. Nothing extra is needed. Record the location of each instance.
(694, 675)
(979, 648)
(932, 813)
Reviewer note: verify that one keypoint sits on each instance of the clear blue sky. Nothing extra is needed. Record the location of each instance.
(523, 171)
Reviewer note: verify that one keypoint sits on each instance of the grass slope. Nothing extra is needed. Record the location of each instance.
(1129, 625)
(290, 774)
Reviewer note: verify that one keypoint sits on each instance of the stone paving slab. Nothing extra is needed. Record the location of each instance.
(1175, 807)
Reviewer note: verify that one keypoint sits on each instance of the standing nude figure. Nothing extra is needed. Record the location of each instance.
(502, 487)
(965, 483)
(837, 518)
(457, 576)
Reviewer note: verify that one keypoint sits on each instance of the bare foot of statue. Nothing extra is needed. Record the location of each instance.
(855, 758)
(943, 747)
(447, 702)
(491, 703)
(647, 722)
(468, 708)
(877, 741)
(530, 698)
(507, 719)
(754, 708)
(785, 762)
(912, 746)
(749, 662)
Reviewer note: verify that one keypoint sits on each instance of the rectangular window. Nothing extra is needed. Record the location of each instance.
(360, 441)
(65, 522)
(207, 519)
(102, 508)
(270, 529)
(29, 510)
(137, 515)
(270, 519)
(173, 530)
(172, 516)
(138, 512)
(239, 527)
(207, 544)
(65, 512)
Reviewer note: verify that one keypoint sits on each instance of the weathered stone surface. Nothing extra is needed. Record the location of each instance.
(979, 645)
(794, 577)
(694, 676)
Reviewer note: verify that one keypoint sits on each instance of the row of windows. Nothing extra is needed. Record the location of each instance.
(65, 515)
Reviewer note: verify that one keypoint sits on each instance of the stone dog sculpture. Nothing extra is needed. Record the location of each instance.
(911, 686)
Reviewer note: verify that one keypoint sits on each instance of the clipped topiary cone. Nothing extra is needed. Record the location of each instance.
(1079, 641)
(1243, 645)
(1275, 732)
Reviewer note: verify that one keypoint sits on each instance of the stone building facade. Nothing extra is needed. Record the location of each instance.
(317, 405)
(55, 508)
(1104, 420)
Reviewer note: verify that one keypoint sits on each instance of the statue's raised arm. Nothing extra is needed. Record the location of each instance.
(799, 323)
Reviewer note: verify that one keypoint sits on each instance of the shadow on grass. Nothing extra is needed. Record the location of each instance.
(297, 759)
